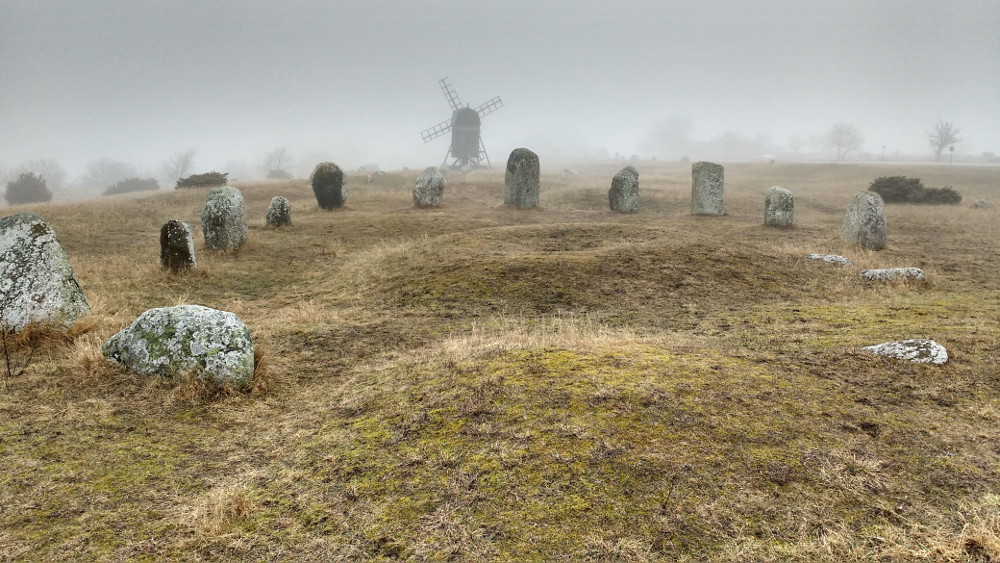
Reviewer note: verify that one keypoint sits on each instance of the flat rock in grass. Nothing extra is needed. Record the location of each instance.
(279, 212)
(428, 191)
(224, 219)
(864, 223)
(920, 350)
(37, 284)
(328, 186)
(521, 181)
(172, 341)
(981, 204)
(779, 207)
(624, 193)
(890, 274)
(176, 246)
(831, 259)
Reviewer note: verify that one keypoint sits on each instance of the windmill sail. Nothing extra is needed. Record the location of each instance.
(490, 107)
(436, 131)
(450, 93)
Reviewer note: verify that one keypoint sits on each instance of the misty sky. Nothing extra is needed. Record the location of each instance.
(356, 81)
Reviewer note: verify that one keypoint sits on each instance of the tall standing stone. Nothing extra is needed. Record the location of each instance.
(779, 207)
(279, 212)
(328, 185)
(429, 189)
(521, 182)
(707, 183)
(37, 284)
(864, 224)
(224, 219)
(176, 246)
(624, 193)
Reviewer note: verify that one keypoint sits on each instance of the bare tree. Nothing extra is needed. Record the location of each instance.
(179, 165)
(844, 137)
(55, 176)
(276, 162)
(943, 135)
(105, 172)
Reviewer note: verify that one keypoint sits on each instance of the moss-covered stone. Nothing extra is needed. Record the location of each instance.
(328, 186)
(37, 284)
(173, 341)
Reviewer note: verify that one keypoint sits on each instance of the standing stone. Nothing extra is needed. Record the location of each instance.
(176, 246)
(779, 207)
(279, 212)
(918, 350)
(429, 189)
(865, 224)
(624, 193)
(172, 341)
(707, 183)
(224, 219)
(328, 185)
(521, 180)
(37, 284)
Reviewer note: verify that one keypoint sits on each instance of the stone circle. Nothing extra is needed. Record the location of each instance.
(624, 193)
(428, 191)
(37, 284)
(521, 181)
(224, 219)
(779, 207)
(328, 186)
(707, 184)
(919, 350)
(176, 246)
(279, 212)
(864, 224)
(173, 341)
(889, 274)
(831, 259)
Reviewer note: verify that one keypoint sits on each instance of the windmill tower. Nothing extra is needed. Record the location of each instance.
(467, 146)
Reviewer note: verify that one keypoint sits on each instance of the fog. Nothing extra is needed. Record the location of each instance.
(356, 81)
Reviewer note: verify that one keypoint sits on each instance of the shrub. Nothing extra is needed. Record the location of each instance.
(900, 189)
(135, 184)
(279, 174)
(206, 180)
(27, 188)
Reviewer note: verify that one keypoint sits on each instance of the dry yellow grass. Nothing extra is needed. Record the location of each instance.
(480, 383)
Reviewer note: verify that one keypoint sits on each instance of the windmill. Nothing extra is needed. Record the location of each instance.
(467, 146)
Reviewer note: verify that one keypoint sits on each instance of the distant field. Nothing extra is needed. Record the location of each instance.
(478, 383)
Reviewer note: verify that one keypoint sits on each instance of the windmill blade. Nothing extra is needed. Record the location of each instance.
(450, 94)
(490, 107)
(436, 131)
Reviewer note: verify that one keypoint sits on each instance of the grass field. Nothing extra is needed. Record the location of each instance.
(478, 383)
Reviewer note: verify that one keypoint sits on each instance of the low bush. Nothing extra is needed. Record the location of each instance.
(134, 184)
(27, 188)
(900, 189)
(206, 180)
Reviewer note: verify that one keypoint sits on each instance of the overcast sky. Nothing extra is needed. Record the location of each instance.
(356, 81)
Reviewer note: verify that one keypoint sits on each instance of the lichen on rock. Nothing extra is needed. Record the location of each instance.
(224, 219)
(172, 341)
(37, 284)
(624, 193)
(918, 350)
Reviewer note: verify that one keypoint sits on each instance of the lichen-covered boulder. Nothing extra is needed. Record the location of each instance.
(279, 212)
(176, 246)
(890, 274)
(328, 186)
(981, 204)
(224, 219)
(779, 207)
(831, 259)
(429, 189)
(171, 341)
(864, 224)
(37, 284)
(920, 350)
(707, 184)
(624, 193)
(521, 181)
